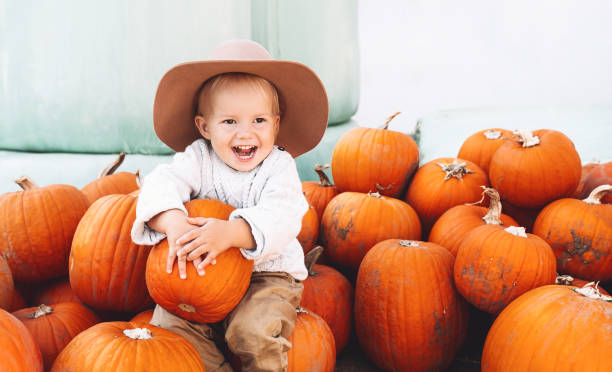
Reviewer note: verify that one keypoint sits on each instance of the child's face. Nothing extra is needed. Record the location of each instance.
(240, 126)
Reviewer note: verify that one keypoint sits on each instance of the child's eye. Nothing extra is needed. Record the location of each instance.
(229, 121)
(260, 120)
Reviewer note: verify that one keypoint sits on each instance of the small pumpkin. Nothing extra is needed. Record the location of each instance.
(535, 168)
(584, 172)
(374, 160)
(117, 344)
(6, 284)
(571, 281)
(37, 225)
(480, 146)
(208, 298)
(524, 216)
(442, 184)
(495, 265)
(143, 317)
(109, 182)
(309, 232)
(552, 328)
(408, 314)
(454, 224)
(354, 222)
(328, 294)
(599, 175)
(107, 269)
(580, 234)
(54, 326)
(312, 344)
(18, 350)
(318, 194)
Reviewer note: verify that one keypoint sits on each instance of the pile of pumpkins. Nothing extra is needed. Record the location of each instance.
(397, 254)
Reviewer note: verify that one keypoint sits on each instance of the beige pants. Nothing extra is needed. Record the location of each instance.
(256, 330)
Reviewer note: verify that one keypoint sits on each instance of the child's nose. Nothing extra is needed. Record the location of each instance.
(244, 130)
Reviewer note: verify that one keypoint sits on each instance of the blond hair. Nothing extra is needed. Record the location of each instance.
(212, 85)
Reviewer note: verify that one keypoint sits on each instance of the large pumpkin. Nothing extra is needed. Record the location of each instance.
(580, 234)
(454, 225)
(480, 146)
(128, 347)
(374, 160)
(54, 326)
(408, 314)
(208, 298)
(18, 350)
(551, 328)
(319, 193)
(109, 182)
(330, 295)
(6, 284)
(535, 168)
(107, 269)
(495, 265)
(312, 344)
(353, 222)
(37, 226)
(600, 174)
(442, 184)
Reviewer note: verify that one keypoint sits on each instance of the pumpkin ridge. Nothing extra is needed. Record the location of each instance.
(61, 215)
(28, 236)
(43, 201)
(119, 256)
(99, 242)
(130, 280)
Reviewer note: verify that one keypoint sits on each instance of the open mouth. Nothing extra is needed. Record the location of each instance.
(244, 152)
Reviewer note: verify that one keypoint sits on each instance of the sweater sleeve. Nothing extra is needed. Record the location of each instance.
(276, 219)
(168, 186)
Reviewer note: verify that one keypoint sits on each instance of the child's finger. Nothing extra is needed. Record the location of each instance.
(197, 220)
(209, 258)
(182, 266)
(171, 258)
(187, 237)
(197, 252)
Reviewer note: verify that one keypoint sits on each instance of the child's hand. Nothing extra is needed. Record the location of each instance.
(212, 238)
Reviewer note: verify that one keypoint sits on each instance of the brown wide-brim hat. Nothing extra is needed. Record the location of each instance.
(302, 96)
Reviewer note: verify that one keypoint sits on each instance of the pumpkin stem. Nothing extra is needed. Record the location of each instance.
(492, 134)
(527, 138)
(323, 179)
(139, 179)
(516, 231)
(382, 189)
(598, 193)
(493, 216)
(386, 124)
(25, 183)
(138, 333)
(455, 169)
(41, 310)
(564, 279)
(591, 290)
(311, 258)
(409, 243)
(375, 194)
(112, 167)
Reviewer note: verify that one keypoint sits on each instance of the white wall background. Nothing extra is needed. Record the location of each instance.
(421, 56)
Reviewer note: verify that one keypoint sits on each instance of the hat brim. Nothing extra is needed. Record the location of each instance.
(302, 97)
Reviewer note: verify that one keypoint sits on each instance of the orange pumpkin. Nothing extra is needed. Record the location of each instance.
(524, 216)
(109, 182)
(599, 175)
(454, 225)
(16, 301)
(319, 193)
(580, 234)
(18, 350)
(408, 314)
(37, 225)
(535, 168)
(442, 184)
(353, 222)
(330, 295)
(309, 232)
(143, 317)
(54, 326)
(128, 347)
(584, 172)
(480, 146)
(495, 265)
(6, 284)
(551, 328)
(374, 159)
(571, 281)
(107, 269)
(312, 344)
(208, 298)
(55, 292)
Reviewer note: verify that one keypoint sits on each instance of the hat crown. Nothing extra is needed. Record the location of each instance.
(240, 50)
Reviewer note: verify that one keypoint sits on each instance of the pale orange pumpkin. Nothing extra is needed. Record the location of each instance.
(37, 225)
(535, 168)
(374, 160)
(480, 146)
(109, 182)
(208, 298)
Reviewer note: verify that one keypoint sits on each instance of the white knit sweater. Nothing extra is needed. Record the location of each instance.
(268, 197)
